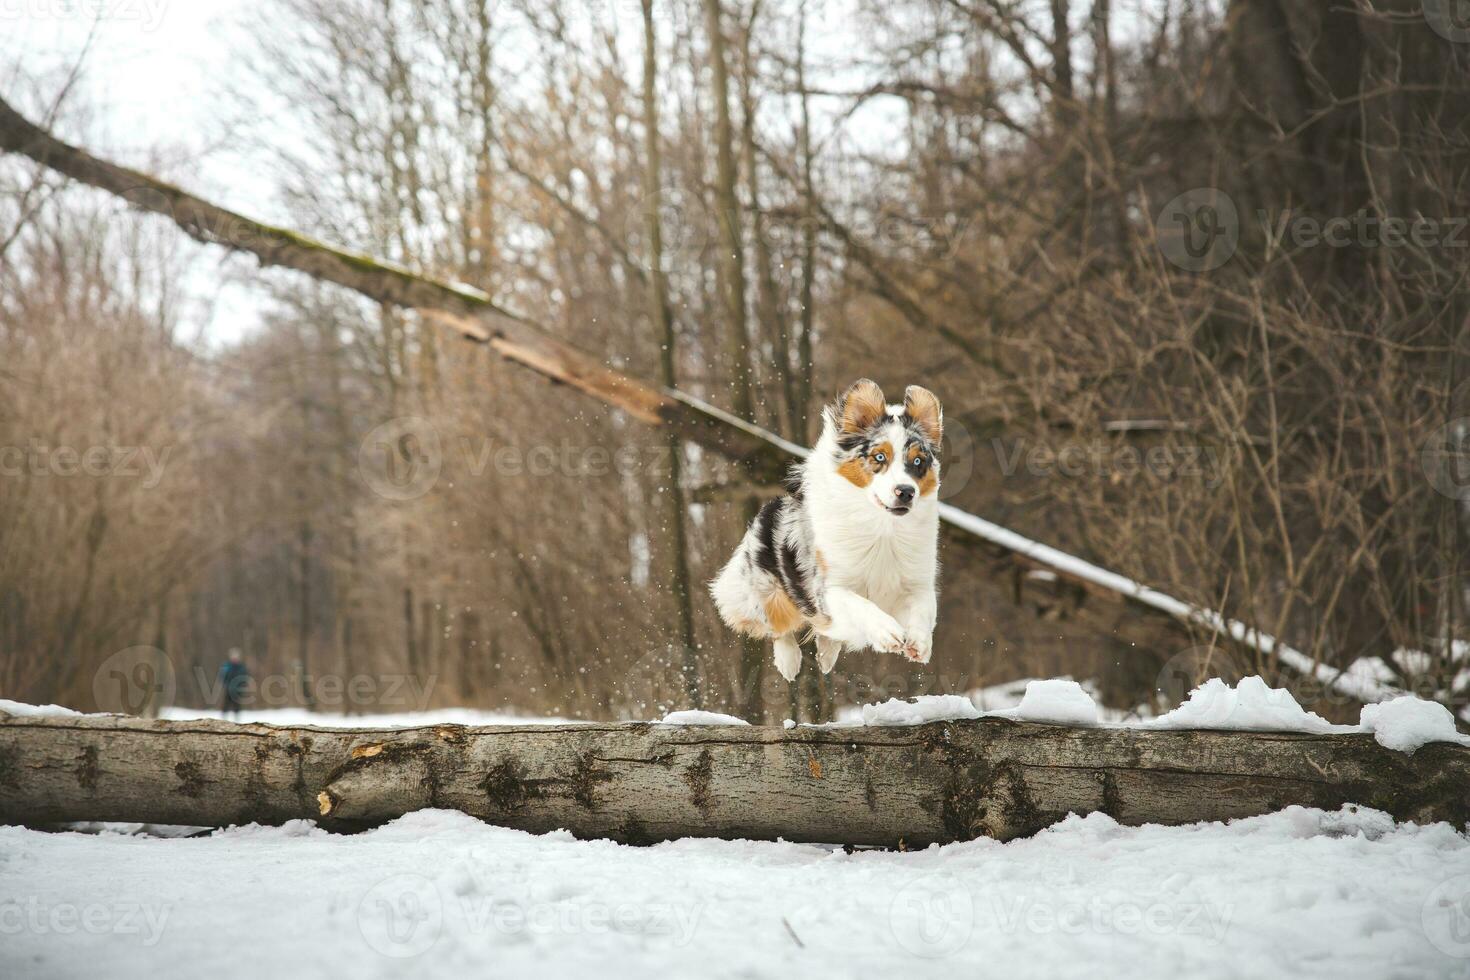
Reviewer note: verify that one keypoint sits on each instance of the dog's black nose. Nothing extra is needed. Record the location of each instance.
(905, 494)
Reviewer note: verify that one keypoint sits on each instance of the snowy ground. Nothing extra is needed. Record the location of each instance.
(1299, 893)
(300, 716)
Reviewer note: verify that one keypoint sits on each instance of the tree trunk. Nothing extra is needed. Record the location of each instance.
(641, 782)
(772, 325)
(727, 214)
(1061, 59)
(663, 318)
(303, 636)
(805, 366)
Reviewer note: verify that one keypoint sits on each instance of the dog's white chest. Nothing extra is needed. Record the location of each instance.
(882, 572)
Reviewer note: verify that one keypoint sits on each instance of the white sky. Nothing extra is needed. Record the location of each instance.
(152, 86)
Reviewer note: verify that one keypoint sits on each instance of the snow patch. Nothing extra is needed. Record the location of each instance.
(291, 828)
(20, 710)
(920, 710)
(1057, 702)
(1403, 724)
(1407, 723)
(692, 717)
(1061, 701)
(1250, 706)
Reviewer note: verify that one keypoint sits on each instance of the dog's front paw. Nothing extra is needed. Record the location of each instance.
(920, 647)
(886, 636)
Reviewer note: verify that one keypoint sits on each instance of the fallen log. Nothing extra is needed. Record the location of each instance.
(640, 782)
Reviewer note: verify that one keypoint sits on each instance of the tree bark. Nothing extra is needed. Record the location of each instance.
(640, 782)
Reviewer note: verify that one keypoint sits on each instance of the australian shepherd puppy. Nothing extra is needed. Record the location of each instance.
(851, 554)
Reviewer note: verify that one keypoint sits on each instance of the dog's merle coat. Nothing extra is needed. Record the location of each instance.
(849, 554)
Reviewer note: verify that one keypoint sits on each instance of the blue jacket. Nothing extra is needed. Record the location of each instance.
(233, 677)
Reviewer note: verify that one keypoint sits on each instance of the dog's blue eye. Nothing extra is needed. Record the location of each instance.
(879, 458)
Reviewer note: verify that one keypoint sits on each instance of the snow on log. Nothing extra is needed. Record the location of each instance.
(644, 782)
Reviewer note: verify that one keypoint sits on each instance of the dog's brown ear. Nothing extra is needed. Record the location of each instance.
(860, 406)
(924, 408)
